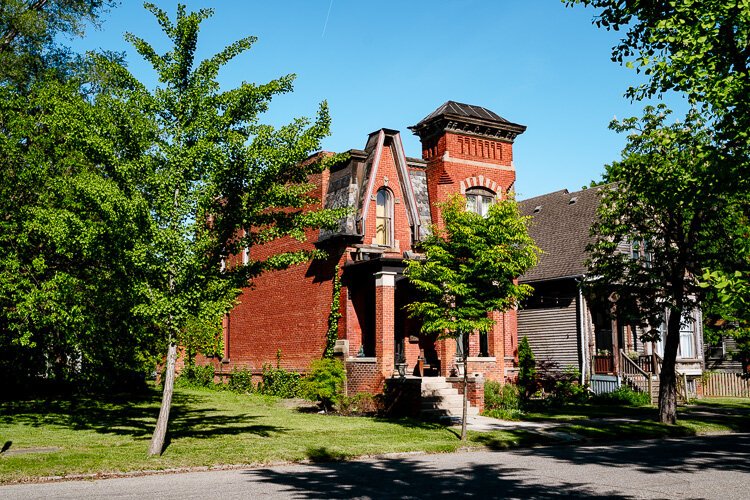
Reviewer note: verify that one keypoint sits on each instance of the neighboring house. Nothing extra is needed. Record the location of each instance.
(392, 197)
(568, 328)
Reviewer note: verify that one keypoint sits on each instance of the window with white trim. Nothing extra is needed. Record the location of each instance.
(479, 200)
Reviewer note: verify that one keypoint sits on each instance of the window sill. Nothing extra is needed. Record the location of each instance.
(362, 360)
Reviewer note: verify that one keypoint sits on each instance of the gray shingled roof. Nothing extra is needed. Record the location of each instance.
(467, 110)
(560, 227)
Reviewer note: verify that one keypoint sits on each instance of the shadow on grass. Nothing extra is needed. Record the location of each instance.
(413, 478)
(134, 416)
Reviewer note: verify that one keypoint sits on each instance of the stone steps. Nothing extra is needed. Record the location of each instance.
(441, 401)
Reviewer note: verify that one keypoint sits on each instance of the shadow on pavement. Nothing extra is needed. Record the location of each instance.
(411, 478)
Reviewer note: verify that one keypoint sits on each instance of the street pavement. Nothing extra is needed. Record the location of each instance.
(699, 467)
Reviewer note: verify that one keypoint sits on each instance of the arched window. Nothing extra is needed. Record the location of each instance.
(479, 200)
(384, 218)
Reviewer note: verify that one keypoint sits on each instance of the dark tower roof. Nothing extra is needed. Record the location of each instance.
(467, 118)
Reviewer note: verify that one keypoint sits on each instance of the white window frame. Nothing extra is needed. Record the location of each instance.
(479, 200)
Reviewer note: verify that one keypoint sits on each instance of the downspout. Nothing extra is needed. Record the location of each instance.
(582, 340)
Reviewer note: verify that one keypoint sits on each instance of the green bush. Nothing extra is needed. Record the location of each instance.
(624, 396)
(193, 375)
(527, 381)
(502, 401)
(280, 383)
(325, 382)
(241, 381)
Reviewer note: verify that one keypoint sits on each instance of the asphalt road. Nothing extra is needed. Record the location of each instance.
(703, 467)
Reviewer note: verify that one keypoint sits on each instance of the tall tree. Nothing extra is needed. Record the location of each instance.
(70, 210)
(470, 269)
(697, 47)
(220, 182)
(668, 197)
(28, 31)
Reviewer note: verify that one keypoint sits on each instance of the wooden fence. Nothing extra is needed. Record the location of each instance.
(733, 385)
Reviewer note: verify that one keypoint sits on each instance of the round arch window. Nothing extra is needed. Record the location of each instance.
(384, 218)
(479, 200)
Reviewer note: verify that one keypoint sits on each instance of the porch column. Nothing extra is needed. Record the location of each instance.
(385, 321)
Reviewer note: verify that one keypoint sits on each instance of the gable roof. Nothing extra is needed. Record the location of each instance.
(560, 226)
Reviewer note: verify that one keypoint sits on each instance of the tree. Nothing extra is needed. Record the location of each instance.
(28, 31)
(728, 298)
(71, 210)
(219, 182)
(470, 269)
(697, 47)
(670, 197)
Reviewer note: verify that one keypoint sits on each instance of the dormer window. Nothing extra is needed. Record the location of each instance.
(384, 218)
(479, 200)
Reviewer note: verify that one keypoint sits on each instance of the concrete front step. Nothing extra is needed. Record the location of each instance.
(440, 400)
(430, 393)
(439, 413)
(453, 399)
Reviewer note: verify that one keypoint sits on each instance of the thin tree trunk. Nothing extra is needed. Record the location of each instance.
(668, 378)
(157, 440)
(466, 386)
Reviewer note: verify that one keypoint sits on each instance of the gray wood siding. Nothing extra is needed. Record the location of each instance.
(552, 333)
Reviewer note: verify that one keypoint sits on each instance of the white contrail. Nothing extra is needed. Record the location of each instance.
(327, 16)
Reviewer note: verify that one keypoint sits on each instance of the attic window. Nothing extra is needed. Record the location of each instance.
(573, 200)
(537, 209)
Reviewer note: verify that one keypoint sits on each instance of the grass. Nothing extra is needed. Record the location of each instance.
(42, 438)
(57, 438)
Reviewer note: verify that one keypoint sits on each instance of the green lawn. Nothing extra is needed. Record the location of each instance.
(42, 438)
(54, 438)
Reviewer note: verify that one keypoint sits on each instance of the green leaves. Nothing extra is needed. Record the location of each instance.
(470, 268)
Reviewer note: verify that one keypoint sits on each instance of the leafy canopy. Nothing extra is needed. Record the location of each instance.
(220, 182)
(471, 268)
(697, 47)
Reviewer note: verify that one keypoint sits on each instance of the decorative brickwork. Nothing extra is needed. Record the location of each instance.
(462, 147)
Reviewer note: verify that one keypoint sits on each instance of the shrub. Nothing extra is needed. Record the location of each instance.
(624, 396)
(325, 382)
(193, 375)
(241, 380)
(527, 382)
(279, 382)
(565, 388)
(362, 403)
(501, 400)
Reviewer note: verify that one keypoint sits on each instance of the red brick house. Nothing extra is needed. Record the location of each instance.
(392, 197)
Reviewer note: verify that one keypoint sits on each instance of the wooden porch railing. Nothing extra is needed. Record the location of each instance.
(635, 375)
(604, 364)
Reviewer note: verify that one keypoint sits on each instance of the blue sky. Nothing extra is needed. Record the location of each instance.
(390, 63)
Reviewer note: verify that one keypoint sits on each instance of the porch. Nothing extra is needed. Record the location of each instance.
(378, 340)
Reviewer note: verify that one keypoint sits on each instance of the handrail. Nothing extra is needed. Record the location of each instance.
(631, 368)
(625, 361)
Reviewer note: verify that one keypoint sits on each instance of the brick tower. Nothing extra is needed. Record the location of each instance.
(467, 148)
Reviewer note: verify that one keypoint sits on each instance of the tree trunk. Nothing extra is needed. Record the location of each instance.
(157, 440)
(466, 386)
(668, 378)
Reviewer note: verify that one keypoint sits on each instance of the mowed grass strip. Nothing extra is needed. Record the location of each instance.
(44, 438)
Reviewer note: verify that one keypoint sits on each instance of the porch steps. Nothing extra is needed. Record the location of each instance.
(440, 401)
